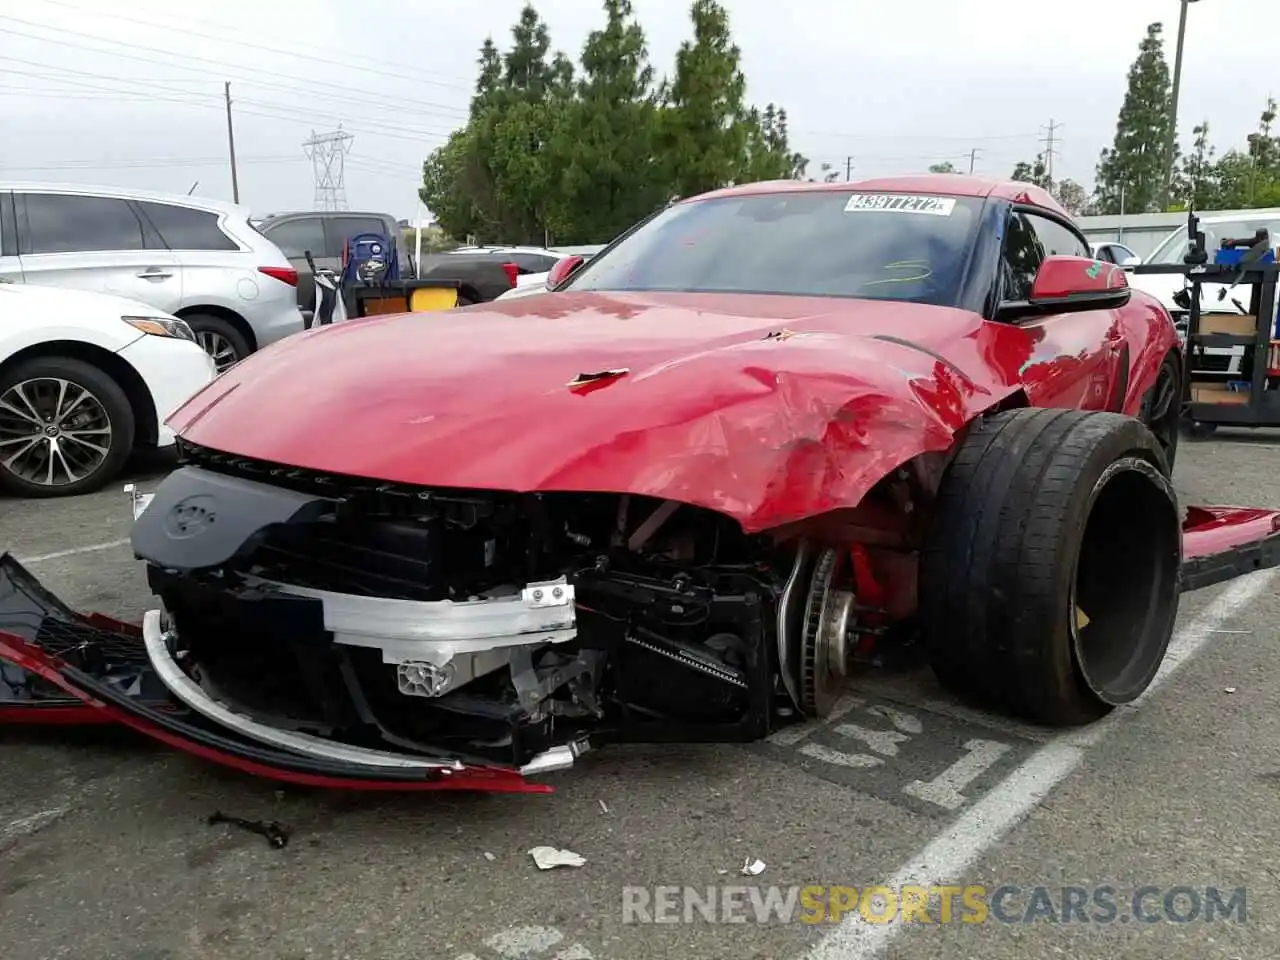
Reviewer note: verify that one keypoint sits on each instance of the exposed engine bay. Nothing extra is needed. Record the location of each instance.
(479, 625)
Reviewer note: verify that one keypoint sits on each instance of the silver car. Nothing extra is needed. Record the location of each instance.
(197, 259)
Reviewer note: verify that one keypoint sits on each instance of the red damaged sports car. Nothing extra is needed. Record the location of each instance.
(675, 498)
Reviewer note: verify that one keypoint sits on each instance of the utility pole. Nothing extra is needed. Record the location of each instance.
(1172, 137)
(848, 169)
(231, 143)
(1049, 141)
(973, 158)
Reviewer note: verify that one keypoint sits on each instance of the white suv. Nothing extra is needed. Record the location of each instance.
(197, 259)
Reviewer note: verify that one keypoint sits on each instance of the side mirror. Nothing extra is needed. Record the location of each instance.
(1130, 262)
(562, 269)
(1071, 284)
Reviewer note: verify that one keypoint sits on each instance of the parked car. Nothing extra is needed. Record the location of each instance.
(530, 284)
(85, 380)
(494, 272)
(676, 498)
(196, 259)
(1223, 362)
(1109, 251)
(323, 234)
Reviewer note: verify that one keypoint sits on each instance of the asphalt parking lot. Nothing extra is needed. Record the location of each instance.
(105, 852)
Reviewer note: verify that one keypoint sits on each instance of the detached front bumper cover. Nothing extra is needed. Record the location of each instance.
(57, 666)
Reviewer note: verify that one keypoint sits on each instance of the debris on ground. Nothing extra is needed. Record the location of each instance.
(548, 858)
(1231, 689)
(752, 868)
(26, 826)
(276, 833)
(603, 807)
(489, 856)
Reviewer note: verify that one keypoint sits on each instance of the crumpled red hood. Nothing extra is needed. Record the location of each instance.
(769, 409)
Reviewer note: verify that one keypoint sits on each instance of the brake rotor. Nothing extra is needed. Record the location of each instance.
(824, 637)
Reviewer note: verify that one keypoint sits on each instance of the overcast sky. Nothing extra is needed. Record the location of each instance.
(133, 96)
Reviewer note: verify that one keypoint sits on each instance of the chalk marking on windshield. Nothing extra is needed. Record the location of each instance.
(919, 271)
(900, 203)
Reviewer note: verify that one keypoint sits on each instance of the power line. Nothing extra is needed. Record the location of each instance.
(310, 88)
(917, 136)
(144, 47)
(326, 58)
(147, 163)
(379, 128)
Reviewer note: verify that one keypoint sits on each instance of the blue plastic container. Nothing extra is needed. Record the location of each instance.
(1232, 258)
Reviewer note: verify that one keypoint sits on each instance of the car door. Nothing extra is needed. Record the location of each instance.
(1076, 355)
(94, 243)
(296, 235)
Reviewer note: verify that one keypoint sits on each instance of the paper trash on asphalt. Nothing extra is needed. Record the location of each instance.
(548, 858)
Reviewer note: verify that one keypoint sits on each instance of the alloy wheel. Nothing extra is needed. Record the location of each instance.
(218, 347)
(53, 432)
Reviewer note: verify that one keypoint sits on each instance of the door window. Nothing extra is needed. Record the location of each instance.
(297, 236)
(1020, 258)
(63, 223)
(1105, 252)
(342, 229)
(185, 229)
(533, 262)
(1057, 240)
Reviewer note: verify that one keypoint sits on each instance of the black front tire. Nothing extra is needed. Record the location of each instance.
(113, 401)
(1043, 515)
(220, 339)
(1162, 408)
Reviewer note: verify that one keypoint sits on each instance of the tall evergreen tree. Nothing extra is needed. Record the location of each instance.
(1073, 197)
(1196, 185)
(612, 177)
(1136, 165)
(704, 135)
(549, 156)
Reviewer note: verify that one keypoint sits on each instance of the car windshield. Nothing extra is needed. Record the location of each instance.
(802, 243)
(1174, 247)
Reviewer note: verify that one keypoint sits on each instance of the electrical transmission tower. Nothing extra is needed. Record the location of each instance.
(328, 153)
(1050, 149)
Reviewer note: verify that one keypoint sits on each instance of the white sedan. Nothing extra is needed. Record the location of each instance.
(86, 379)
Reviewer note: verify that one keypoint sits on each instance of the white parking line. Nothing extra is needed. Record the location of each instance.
(991, 818)
(73, 551)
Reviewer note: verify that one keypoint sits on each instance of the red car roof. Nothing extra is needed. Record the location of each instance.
(942, 184)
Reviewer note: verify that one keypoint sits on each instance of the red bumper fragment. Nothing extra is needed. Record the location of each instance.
(61, 668)
(1222, 543)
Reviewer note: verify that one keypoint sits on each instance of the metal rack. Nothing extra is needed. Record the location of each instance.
(1247, 266)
